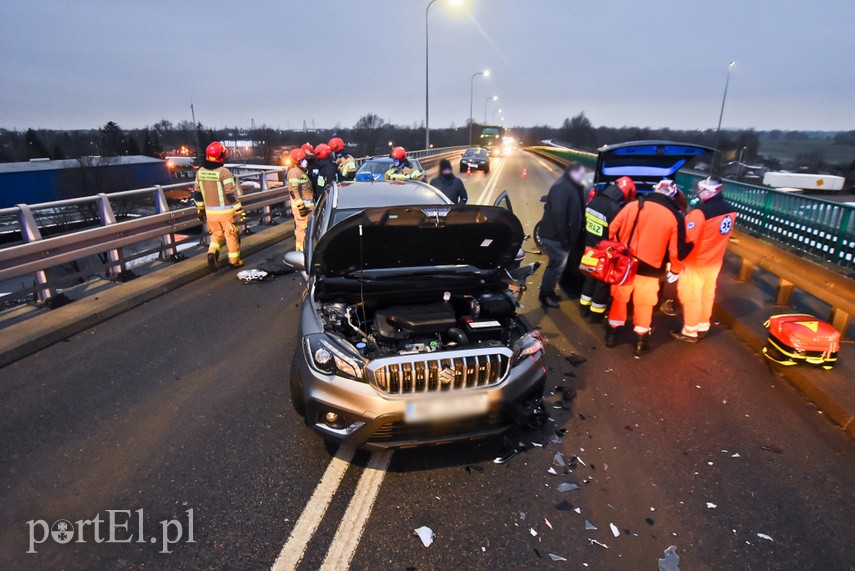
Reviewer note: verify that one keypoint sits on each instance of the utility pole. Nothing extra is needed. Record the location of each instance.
(196, 130)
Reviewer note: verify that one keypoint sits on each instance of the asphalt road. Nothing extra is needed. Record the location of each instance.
(182, 404)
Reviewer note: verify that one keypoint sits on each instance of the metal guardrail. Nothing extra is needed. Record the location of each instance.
(37, 255)
(823, 229)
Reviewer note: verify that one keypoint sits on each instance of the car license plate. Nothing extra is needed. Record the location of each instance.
(446, 408)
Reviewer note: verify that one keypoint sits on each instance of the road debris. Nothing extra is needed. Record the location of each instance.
(711, 506)
(552, 471)
(568, 487)
(564, 506)
(557, 557)
(522, 516)
(615, 530)
(671, 561)
(475, 467)
(558, 460)
(426, 534)
(575, 359)
(766, 537)
(532, 532)
(506, 456)
(589, 526)
(595, 542)
(771, 448)
(548, 523)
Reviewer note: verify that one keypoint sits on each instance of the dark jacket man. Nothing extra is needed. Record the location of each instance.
(450, 185)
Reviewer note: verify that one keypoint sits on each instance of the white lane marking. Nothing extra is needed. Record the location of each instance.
(486, 194)
(352, 525)
(549, 167)
(295, 548)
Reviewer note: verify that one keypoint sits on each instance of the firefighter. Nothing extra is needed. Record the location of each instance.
(658, 236)
(402, 168)
(324, 172)
(218, 201)
(709, 226)
(599, 214)
(310, 155)
(346, 163)
(301, 193)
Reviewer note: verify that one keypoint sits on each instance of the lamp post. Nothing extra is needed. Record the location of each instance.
(739, 162)
(498, 111)
(487, 100)
(427, 74)
(721, 115)
(485, 73)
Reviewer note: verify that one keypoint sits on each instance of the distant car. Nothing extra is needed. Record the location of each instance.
(646, 162)
(475, 158)
(375, 167)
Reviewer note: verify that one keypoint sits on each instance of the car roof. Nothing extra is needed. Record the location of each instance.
(384, 160)
(373, 194)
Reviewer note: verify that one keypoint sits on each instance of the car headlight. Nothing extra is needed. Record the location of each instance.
(328, 357)
(529, 344)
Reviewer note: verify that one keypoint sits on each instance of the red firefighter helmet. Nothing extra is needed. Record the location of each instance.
(216, 152)
(399, 153)
(627, 186)
(309, 149)
(336, 144)
(708, 188)
(322, 151)
(298, 155)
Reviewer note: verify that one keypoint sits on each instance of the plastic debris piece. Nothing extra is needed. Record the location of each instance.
(252, 275)
(771, 448)
(548, 523)
(575, 359)
(649, 521)
(605, 466)
(764, 536)
(537, 444)
(671, 561)
(589, 526)
(595, 542)
(568, 487)
(615, 530)
(483, 549)
(561, 431)
(552, 471)
(474, 467)
(426, 534)
(556, 557)
(711, 506)
(522, 516)
(564, 506)
(536, 552)
(570, 374)
(532, 532)
(577, 510)
(506, 456)
(558, 460)
(736, 455)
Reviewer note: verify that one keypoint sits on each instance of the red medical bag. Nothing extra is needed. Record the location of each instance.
(801, 338)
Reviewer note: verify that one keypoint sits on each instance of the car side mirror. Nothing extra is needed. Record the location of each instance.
(296, 260)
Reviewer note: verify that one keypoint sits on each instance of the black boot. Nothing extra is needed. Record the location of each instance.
(611, 336)
(213, 262)
(585, 310)
(597, 317)
(642, 344)
(549, 299)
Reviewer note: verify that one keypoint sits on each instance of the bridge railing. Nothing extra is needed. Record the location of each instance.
(151, 219)
(822, 229)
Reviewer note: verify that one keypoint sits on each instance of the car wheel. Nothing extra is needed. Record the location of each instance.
(295, 383)
(487, 169)
(462, 169)
(536, 235)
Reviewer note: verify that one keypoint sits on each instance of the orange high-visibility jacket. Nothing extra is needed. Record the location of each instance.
(710, 227)
(658, 237)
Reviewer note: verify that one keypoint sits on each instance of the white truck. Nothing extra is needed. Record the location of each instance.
(799, 182)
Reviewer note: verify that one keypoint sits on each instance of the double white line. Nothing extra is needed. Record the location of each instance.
(486, 196)
(352, 525)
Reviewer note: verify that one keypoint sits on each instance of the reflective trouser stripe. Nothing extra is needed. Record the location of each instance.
(641, 330)
(598, 308)
(215, 246)
(703, 327)
(690, 331)
(234, 254)
(616, 323)
(584, 300)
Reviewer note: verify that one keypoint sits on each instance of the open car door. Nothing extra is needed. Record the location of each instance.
(504, 201)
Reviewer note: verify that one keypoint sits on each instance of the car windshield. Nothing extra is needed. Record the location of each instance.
(476, 152)
(375, 167)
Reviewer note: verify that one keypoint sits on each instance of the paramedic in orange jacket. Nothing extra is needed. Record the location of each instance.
(658, 238)
(710, 227)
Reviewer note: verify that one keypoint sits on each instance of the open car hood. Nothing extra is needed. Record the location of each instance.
(486, 237)
(646, 162)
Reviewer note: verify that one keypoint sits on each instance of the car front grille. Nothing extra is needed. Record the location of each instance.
(434, 373)
(397, 431)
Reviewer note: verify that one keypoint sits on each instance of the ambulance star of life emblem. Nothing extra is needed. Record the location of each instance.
(446, 376)
(726, 225)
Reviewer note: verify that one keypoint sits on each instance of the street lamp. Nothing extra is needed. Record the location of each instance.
(739, 162)
(485, 73)
(427, 75)
(721, 115)
(487, 100)
(498, 111)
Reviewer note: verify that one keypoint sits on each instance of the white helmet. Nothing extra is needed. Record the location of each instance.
(667, 187)
(708, 188)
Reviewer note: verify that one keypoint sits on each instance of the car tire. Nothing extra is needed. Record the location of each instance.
(536, 235)
(487, 170)
(462, 170)
(295, 383)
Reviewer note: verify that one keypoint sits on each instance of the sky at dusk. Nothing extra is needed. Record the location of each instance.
(657, 64)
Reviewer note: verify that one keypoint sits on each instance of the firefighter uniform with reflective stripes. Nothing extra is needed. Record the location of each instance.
(406, 171)
(598, 216)
(215, 191)
(346, 167)
(710, 227)
(659, 237)
(302, 202)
